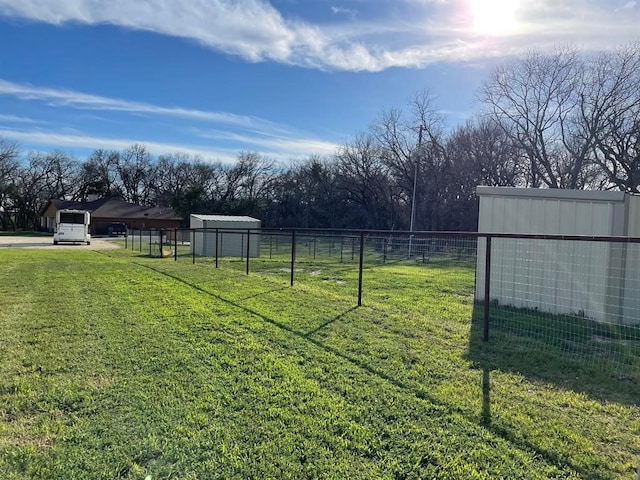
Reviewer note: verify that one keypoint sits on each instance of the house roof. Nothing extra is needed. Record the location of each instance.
(114, 208)
(224, 218)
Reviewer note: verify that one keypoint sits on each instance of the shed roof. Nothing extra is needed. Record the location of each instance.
(552, 193)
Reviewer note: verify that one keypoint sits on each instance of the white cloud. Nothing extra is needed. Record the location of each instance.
(79, 100)
(277, 145)
(280, 148)
(269, 138)
(412, 33)
(62, 139)
(16, 119)
(349, 12)
(251, 28)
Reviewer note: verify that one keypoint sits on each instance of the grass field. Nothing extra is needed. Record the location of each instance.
(115, 365)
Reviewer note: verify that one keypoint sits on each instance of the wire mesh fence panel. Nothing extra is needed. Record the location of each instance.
(442, 266)
(275, 246)
(327, 247)
(150, 242)
(271, 257)
(327, 263)
(578, 300)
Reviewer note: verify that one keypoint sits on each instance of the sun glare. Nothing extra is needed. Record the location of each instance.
(493, 17)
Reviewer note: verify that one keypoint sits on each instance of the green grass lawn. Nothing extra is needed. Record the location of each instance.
(114, 365)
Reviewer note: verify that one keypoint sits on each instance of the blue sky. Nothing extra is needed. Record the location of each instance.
(286, 78)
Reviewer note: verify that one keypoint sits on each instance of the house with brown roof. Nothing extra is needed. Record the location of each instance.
(105, 211)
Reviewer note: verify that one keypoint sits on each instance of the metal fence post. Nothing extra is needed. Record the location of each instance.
(384, 250)
(248, 248)
(161, 243)
(217, 249)
(293, 253)
(150, 253)
(175, 244)
(487, 280)
(360, 269)
(193, 245)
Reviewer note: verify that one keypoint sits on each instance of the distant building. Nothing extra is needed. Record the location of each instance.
(105, 211)
(224, 235)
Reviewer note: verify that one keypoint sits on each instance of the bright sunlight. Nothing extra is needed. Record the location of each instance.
(494, 17)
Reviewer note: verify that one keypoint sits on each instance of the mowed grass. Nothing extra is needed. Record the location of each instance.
(114, 365)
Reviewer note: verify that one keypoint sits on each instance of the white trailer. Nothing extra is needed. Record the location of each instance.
(72, 226)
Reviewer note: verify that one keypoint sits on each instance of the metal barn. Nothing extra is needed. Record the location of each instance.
(597, 280)
(228, 233)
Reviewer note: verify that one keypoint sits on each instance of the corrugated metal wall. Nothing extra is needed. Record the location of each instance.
(631, 307)
(593, 279)
(231, 244)
(197, 238)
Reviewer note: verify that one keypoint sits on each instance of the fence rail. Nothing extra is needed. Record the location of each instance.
(577, 292)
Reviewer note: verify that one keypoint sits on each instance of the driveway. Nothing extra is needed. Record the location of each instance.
(46, 241)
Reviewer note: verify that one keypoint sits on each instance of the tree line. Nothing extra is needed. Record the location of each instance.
(563, 119)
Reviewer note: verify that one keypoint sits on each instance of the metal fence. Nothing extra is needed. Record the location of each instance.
(576, 295)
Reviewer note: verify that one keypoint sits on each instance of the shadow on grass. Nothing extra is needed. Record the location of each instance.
(329, 322)
(419, 393)
(485, 415)
(261, 294)
(572, 353)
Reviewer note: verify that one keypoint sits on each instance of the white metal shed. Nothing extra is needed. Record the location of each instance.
(230, 233)
(599, 280)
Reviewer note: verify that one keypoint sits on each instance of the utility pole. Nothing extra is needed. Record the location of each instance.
(415, 184)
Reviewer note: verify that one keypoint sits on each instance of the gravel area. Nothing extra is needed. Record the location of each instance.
(47, 242)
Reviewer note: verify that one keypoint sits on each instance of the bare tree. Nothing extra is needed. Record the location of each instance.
(174, 175)
(60, 172)
(400, 137)
(362, 177)
(137, 174)
(9, 166)
(412, 149)
(98, 176)
(9, 153)
(202, 188)
(610, 114)
(533, 99)
(483, 154)
(306, 195)
(256, 173)
(45, 177)
(245, 185)
(478, 153)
